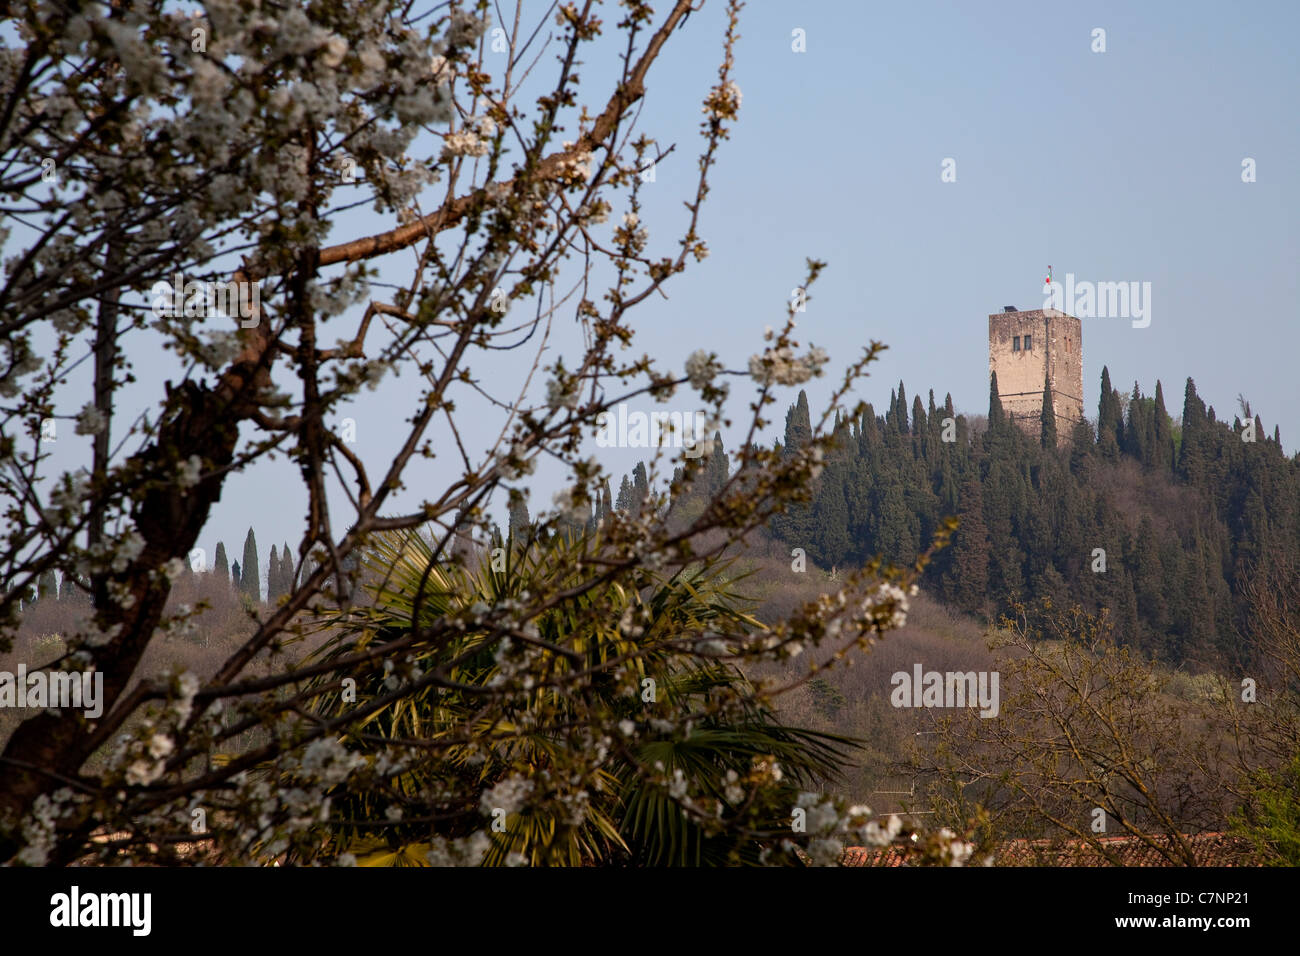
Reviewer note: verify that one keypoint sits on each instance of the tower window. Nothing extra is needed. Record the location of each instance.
(1015, 343)
(1028, 344)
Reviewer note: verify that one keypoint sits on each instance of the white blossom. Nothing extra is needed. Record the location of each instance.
(463, 142)
(189, 471)
(508, 795)
(782, 367)
(701, 368)
(89, 420)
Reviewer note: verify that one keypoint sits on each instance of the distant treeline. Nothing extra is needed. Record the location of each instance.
(1159, 521)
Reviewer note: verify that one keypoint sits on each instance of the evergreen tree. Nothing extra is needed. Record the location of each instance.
(273, 576)
(717, 469)
(996, 416)
(47, 587)
(798, 425)
(624, 501)
(234, 575)
(287, 583)
(251, 577)
(1109, 419)
(1192, 461)
(919, 428)
(520, 523)
(1047, 434)
(640, 485)
(609, 499)
(222, 563)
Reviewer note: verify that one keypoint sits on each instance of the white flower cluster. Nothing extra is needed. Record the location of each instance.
(820, 812)
(328, 761)
(90, 421)
(465, 28)
(127, 550)
(873, 834)
(188, 472)
(577, 166)
(174, 570)
(882, 596)
(731, 788)
(463, 142)
(701, 368)
(508, 795)
(38, 828)
(151, 762)
(187, 686)
(782, 367)
(467, 851)
(957, 851)
(562, 394)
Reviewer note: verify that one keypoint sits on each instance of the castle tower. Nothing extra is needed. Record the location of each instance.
(1028, 348)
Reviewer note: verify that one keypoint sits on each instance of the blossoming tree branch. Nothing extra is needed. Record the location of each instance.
(239, 146)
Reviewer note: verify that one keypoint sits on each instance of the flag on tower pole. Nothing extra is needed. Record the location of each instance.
(1049, 275)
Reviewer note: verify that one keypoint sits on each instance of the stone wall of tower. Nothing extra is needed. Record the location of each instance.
(1055, 352)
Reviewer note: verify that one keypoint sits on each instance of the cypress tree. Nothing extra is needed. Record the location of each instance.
(798, 425)
(234, 575)
(47, 587)
(1047, 433)
(520, 523)
(223, 563)
(273, 576)
(251, 576)
(996, 416)
(919, 425)
(1192, 453)
(717, 469)
(287, 583)
(901, 419)
(640, 485)
(1109, 418)
(624, 502)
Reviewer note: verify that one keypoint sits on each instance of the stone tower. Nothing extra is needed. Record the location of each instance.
(1027, 348)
